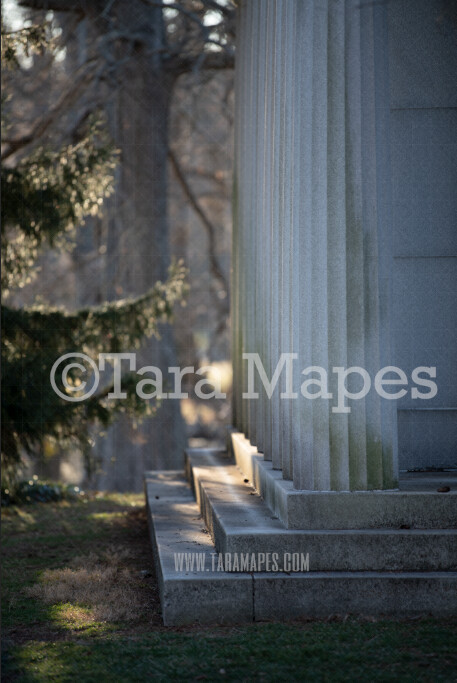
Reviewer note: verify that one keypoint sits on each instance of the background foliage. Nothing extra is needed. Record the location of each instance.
(47, 193)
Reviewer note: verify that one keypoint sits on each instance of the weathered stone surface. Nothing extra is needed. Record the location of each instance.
(312, 266)
(189, 597)
(343, 509)
(222, 597)
(330, 593)
(239, 521)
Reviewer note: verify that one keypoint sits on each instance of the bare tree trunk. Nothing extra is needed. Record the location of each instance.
(131, 70)
(138, 252)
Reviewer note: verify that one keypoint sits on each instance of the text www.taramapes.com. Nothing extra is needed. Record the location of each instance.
(241, 562)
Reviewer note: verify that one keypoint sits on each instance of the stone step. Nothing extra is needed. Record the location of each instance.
(410, 506)
(187, 594)
(240, 522)
(205, 595)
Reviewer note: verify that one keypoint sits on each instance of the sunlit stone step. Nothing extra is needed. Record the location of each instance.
(203, 595)
(240, 522)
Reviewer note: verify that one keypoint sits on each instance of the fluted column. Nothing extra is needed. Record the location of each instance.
(312, 234)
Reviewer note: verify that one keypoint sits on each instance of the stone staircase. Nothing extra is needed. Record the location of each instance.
(216, 514)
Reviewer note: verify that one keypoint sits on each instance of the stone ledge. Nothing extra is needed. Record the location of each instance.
(343, 509)
(190, 597)
(239, 521)
(319, 594)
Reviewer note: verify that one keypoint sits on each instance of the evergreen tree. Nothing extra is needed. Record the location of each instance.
(47, 193)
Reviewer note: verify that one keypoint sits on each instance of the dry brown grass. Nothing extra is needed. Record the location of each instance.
(102, 583)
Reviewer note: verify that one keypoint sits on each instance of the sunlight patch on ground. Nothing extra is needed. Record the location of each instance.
(93, 588)
(72, 617)
(26, 517)
(104, 516)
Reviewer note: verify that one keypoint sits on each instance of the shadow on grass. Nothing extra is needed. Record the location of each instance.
(64, 563)
(351, 651)
(52, 552)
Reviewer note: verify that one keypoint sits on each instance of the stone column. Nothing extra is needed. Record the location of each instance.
(311, 271)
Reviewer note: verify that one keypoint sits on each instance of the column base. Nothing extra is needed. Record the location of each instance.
(415, 509)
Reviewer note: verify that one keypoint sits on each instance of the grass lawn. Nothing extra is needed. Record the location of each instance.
(80, 603)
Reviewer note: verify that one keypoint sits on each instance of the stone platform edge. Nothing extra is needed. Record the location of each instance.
(196, 597)
(342, 509)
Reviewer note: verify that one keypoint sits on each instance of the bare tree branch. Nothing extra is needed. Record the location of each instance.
(80, 7)
(66, 100)
(223, 9)
(215, 267)
(206, 60)
(208, 175)
(197, 19)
